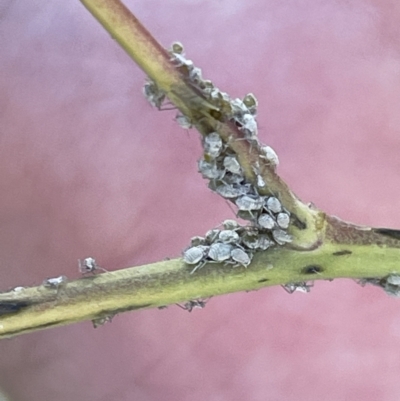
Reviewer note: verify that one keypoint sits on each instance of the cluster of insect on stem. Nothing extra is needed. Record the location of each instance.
(267, 219)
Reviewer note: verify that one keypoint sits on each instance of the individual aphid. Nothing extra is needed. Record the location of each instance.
(299, 287)
(283, 220)
(250, 101)
(212, 235)
(177, 48)
(194, 254)
(266, 221)
(249, 203)
(102, 320)
(228, 237)
(88, 265)
(230, 191)
(18, 289)
(281, 237)
(213, 145)
(230, 224)
(195, 75)
(235, 179)
(181, 61)
(206, 86)
(245, 215)
(196, 241)
(273, 204)
(183, 121)
(194, 304)
(232, 165)
(250, 239)
(240, 257)
(393, 279)
(269, 155)
(260, 181)
(219, 252)
(210, 170)
(54, 282)
(249, 126)
(153, 94)
(264, 242)
(239, 109)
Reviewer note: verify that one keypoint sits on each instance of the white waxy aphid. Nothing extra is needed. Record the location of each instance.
(249, 126)
(250, 101)
(219, 252)
(212, 235)
(213, 145)
(177, 48)
(102, 320)
(230, 224)
(88, 265)
(248, 203)
(210, 170)
(283, 220)
(18, 289)
(194, 254)
(183, 121)
(299, 287)
(196, 241)
(281, 237)
(264, 242)
(153, 94)
(240, 257)
(228, 237)
(251, 240)
(393, 279)
(230, 191)
(269, 155)
(266, 221)
(260, 181)
(195, 75)
(181, 61)
(55, 282)
(239, 109)
(232, 165)
(273, 204)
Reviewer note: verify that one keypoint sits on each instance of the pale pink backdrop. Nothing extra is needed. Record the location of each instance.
(89, 168)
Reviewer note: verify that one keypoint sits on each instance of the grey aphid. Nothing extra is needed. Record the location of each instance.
(232, 164)
(281, 237)
(300, 287)
(88, 265)
(102, 320)
(264, 242)
(55, 282)
(248, 203)
(212, 235)
(393, 279)
(273, 204)
(241, 257)
(250, 239)
(260, 181)
(183, 121)
(230, 191)
(228, 237)
(194, 254)
(196, 241)
(177, 48)
(245, 215)
(213, 144)
(266, 221)
(235, 179)
(210, 170)
(269, 155)
(195, 75)
(250, 101)
(249, 126)
(230, 224)
(195, 304)
(283, 220)
(220, 252)
(153, 94)
(181, 60)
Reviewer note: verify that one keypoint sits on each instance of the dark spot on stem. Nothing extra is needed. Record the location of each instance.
(341, 253)
(388, 232)
(263, 280)
(12, 307)
(312, 269)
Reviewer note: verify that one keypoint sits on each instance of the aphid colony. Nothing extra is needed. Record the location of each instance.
(233, 244)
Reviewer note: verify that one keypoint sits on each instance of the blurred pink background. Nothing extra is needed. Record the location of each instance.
(89, 168)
